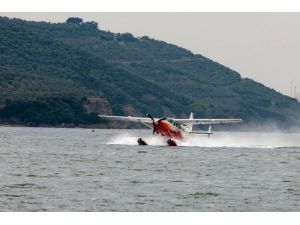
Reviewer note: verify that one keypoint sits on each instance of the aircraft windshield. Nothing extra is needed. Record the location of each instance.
(170, 120)
(174, 123)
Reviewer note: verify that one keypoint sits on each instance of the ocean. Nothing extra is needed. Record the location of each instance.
(61, 169)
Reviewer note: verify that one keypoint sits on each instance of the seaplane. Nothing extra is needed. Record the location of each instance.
(173, 129)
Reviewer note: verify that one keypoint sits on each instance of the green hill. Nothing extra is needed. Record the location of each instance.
(49, 73)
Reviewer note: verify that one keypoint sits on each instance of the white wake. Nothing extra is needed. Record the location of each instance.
(219, 139)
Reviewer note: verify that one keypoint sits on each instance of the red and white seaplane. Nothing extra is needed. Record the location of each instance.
(173, 129)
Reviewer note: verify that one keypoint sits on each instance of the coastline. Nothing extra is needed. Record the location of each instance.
(84, 126)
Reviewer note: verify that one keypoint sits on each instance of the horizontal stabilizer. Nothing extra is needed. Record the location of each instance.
(200, 132)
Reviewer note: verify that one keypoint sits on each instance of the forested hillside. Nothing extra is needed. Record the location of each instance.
(50, 72)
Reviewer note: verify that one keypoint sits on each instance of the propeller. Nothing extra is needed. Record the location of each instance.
(155, 123)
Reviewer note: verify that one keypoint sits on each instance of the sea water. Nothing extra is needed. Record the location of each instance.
(59, 169)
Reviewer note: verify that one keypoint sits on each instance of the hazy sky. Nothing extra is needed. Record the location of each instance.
(261, 46)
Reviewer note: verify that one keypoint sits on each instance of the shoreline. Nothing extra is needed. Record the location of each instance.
(114, 127)
(83, 126)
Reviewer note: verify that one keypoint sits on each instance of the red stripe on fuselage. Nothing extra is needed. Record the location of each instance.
(165, 129)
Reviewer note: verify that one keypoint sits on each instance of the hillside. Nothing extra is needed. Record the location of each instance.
(52, 74)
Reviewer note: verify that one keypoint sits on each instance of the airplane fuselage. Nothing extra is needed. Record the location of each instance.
(165, 128)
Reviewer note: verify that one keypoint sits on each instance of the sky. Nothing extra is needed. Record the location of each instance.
(261, 46)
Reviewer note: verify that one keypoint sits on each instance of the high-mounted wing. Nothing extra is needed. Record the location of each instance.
(127, 118)
(206, 121)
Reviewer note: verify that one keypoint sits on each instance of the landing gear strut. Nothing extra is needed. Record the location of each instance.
(141, 141)
(171, 142)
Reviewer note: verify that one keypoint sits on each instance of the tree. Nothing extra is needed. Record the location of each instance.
(74, 20)
(90, 25)
(127, 37)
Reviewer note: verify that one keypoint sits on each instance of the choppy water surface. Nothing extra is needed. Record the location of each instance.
(50, 169)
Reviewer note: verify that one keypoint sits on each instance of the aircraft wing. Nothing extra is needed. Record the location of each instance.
(147, 120)
(207, 121)
(128, 118)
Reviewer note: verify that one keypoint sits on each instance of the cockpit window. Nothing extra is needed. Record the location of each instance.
(174, 123)
(170, 121)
